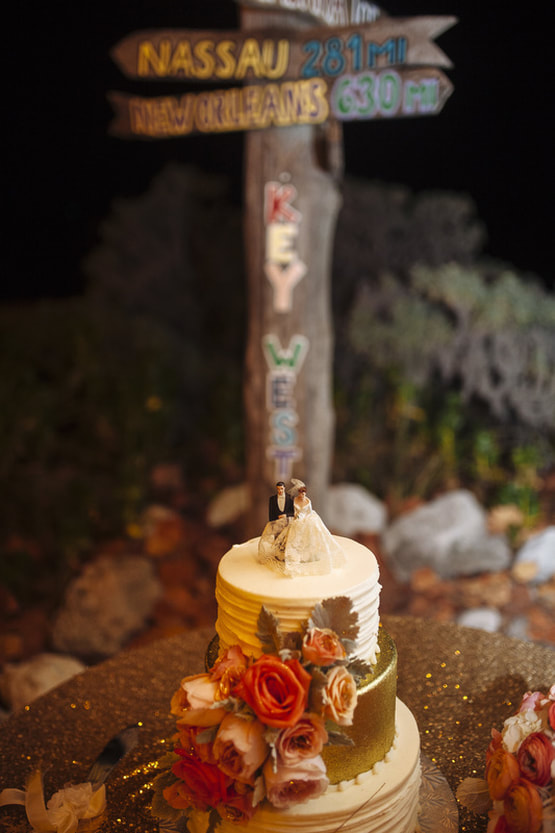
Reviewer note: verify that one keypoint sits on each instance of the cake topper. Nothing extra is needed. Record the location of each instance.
(300, 545)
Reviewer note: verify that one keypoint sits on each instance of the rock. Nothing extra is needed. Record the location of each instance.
(22, 683)
(351, 509)
(484, 618)
(535, 560)
(228, 506)
(518, 628)
(449, 535)
(490, 554)
(110, 600)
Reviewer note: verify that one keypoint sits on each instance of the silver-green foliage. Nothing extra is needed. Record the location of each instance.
(490, 331)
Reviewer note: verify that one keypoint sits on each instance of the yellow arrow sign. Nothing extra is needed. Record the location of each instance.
(372, 94)
(278, 55)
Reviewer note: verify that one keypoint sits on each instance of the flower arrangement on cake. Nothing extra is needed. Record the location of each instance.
(252, 730)
(517, 791)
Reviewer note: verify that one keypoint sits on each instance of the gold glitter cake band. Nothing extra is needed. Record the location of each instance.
(373, 728)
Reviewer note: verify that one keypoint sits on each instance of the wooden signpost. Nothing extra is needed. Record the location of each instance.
(289, 84)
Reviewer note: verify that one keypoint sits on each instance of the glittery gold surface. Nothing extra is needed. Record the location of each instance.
(457, 682)
(373, 726)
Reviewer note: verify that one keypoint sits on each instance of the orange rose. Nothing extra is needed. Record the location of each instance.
(178, 796)
(523, 809)
(238, 807)
(321, 646)
(276, 691)
(496, 743)
(534, 757)
(340, 696)
(497, 823)
(501, 773)
(303, 740)
(189, 745)
(203, 785)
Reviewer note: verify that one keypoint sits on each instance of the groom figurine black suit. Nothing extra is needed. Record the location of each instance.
(281, 504)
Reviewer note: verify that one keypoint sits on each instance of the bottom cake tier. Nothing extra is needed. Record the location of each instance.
(382, 800)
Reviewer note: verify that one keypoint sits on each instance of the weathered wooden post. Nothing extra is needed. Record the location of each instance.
(291, 203)
(295, 82)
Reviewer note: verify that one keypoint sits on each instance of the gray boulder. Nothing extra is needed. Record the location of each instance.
(351, 509)
(228, 506)
(110, 601)
(21, 683)
(535, 560)
(483, 618)
(449, 535)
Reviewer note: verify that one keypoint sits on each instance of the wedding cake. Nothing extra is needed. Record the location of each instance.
(295, 724)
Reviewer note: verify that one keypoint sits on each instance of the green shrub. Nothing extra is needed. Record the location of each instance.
(91, 400)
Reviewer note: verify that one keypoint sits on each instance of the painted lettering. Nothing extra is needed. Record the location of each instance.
(208, 58)
(277, 203)
(284, 281)
(291, 357)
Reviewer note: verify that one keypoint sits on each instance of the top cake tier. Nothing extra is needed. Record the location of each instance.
(243, 586)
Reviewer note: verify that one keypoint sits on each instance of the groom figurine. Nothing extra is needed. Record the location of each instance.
(281, 504)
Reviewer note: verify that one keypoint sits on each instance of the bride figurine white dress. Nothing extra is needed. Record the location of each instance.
(303, 546)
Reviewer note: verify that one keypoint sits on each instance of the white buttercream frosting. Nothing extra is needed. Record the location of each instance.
(243, 585)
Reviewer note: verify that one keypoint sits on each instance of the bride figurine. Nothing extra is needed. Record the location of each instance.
(302, 545)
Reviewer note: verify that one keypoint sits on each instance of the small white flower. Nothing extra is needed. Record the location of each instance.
(516, 728)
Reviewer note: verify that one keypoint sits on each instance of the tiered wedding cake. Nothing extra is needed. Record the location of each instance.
(295, 726)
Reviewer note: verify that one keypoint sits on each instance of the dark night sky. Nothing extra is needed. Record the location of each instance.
(493, 140)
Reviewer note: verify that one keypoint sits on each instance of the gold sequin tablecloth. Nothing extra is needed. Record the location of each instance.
(458, 683)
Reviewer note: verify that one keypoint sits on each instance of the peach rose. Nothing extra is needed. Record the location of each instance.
(229, 669)
(340, 696)
(276, 691)
(303, 740)
(551, 716)
(321, 646)
(203, 785)
(501, 772)
(194, 702)
(295, 785)
(523, 809)
(535, 756)
(240, 748)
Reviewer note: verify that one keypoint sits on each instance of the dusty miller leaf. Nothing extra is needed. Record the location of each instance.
(268, 631)
(337, 615)
(336, 738)
(473, 794)
(159, 806)
(359, 669)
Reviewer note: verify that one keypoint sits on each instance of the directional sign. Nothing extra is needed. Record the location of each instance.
(372, 94)
(332, 12)
(225, 56)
